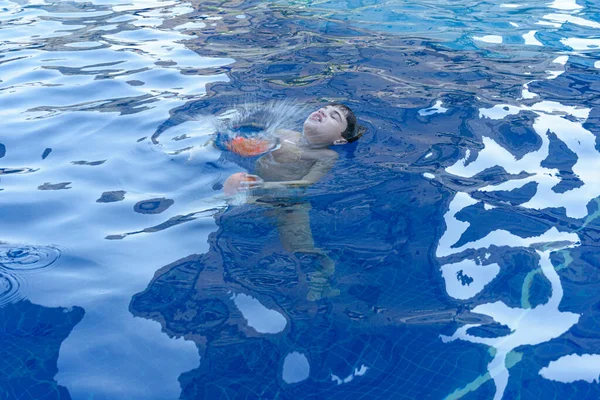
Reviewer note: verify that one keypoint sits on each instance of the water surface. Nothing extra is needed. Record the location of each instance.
(458, 238)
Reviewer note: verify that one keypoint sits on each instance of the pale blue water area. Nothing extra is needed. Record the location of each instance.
(456, 245)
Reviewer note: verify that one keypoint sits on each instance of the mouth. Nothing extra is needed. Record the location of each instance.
(316, 116)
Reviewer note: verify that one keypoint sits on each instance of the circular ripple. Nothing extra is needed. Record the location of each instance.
(27, 257)
(9, 289)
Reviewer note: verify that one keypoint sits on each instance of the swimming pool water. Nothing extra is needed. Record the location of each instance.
(458, 240)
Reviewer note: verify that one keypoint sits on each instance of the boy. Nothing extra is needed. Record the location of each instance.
(299, 161)
(303, 159)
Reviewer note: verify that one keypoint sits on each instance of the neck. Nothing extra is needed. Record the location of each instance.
(306, 143)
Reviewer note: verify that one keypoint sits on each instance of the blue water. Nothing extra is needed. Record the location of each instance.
(456, 244)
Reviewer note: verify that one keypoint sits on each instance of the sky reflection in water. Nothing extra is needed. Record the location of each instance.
(458, 239)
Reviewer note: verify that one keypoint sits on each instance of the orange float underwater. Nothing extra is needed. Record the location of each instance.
(249, 147)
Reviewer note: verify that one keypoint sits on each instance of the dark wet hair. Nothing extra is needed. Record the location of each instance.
(353, 131)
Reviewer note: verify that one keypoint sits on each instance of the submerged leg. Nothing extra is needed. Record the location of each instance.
(293, 224)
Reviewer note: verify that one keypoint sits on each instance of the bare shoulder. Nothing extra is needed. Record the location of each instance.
(330, 153)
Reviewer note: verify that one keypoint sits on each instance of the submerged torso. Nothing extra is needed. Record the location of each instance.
(285, 163)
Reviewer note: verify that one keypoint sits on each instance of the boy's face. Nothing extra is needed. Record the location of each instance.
(325, 126)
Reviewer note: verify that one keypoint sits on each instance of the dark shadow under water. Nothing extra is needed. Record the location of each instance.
(30, 340)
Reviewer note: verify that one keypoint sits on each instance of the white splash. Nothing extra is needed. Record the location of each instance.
(574, 367)
(428, 175)
(272, 115)
(259, 317)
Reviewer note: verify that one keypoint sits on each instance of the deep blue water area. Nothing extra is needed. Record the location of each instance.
(453, 252)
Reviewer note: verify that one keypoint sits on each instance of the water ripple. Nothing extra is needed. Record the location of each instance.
(9, 288)
(27, 258)
(16, 262)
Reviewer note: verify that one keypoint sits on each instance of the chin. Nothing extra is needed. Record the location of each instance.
(308, 128)
(310, 124)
